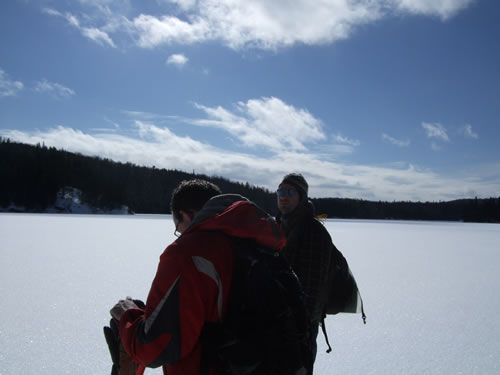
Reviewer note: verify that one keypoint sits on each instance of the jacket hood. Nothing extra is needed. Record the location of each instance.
(236, 216)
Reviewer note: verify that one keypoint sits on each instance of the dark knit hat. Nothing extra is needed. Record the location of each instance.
(298, 182)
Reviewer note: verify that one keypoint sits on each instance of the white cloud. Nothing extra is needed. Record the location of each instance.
(341, 139)
(97, 35)
(444, 9)
(9, 87)
(260, 23)
(279, 23)
(266, 122)
(436, 130)
(152, 31)
(55, 89)
(241, 24)
(52, 12)
(467, 132)
(394, 141)
(178, 60)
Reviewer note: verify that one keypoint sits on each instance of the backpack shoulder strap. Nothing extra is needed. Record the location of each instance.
(323, 328)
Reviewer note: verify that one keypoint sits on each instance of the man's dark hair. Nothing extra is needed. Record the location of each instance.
(191, 195)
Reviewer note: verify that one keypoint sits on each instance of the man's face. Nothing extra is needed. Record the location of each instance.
(289, 199)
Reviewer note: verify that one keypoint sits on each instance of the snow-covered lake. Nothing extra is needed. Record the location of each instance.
(431, 293)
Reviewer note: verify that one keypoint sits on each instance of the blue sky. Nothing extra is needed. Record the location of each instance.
(372, 99)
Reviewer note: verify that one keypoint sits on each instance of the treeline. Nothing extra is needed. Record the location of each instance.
(472, 210)
(31, 176)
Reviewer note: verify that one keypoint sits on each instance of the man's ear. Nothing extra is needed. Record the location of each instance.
(187, 216)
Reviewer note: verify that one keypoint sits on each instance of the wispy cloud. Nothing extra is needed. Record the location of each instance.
(394, 141)
(436, 146)
(178, 60)
(242, 24)
(467, 132)
(339, 138)
(113, 128)
(54, 89)
(444, 9)
(436, 130)
(337, 145)
(265, 122)
(8, 86)
(97, 35)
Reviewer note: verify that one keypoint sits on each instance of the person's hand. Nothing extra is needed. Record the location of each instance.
(122, 363)
(122, 306)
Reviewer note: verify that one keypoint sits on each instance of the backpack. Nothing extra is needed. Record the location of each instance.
(265, 329)
(342, 295)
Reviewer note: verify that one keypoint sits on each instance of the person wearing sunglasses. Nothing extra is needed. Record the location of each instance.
(308, 250)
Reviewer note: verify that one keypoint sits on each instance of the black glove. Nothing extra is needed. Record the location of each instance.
(112, 337)
(140, 304)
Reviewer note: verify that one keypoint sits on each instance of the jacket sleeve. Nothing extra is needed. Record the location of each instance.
(175, 309)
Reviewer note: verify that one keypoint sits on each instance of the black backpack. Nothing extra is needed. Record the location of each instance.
(265, 330)
(342, 295)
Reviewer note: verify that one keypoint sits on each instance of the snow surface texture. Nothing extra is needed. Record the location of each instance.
(430, 292)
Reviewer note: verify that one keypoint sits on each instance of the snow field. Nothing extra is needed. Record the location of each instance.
(430, 293)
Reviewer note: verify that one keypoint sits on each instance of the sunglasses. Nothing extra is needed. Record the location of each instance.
(286, 192)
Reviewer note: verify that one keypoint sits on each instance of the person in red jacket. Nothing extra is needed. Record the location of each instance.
(193, 279)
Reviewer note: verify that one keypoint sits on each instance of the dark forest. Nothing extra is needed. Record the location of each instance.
(32, 176)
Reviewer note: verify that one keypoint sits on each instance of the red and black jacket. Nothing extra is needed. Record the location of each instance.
(192, 285)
